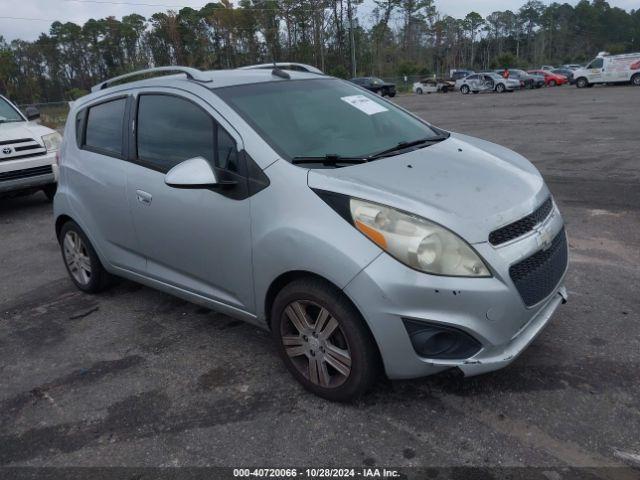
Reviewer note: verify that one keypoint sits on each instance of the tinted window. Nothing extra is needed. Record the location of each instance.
(227, 151)
(171, 130)
(104, 126)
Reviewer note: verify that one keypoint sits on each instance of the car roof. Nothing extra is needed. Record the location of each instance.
(283, 65)
(212, 79)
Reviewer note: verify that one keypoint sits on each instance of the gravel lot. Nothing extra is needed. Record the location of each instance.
(135, 377)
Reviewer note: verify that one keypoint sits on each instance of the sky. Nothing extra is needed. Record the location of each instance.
(28, 18)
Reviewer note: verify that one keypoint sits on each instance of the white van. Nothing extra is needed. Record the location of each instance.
(607, 68)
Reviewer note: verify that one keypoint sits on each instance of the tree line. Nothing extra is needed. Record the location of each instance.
(399, 37)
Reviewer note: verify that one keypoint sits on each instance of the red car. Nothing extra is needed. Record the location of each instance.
(550, 79)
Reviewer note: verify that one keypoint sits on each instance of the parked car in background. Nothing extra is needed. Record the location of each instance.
(296, 67)
(459, 74)
(550, 79)
(487, 82)
(27, 152)
(455, 263)
(526, 80)
(538, 79)
(432, 85)
(607, 68)
(547, 67)
(572, 66)
(566, 72)
(376, 85)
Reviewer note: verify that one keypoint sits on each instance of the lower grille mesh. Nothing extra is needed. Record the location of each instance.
(25, 173)
(536, 276)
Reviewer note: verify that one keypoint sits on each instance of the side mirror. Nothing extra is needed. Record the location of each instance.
(193, 173)
(32, 113)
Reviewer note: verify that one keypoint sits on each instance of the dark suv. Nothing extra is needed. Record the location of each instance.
(376, 85)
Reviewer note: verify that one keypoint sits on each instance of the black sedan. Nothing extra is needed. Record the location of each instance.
(376, 85)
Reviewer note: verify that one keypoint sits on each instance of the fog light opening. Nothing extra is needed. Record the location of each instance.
(437, 341)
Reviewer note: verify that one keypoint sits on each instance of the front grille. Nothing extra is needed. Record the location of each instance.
(536, 276)
(522, 226)
(26, 173)
(20, 148)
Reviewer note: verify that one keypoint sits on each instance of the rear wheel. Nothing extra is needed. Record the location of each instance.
(465, 89)
(50, 191)
(582, 82)
(419, 91)
(323, 340)
(81, 260)
(635, 80)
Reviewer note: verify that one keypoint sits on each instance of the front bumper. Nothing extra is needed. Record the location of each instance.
(489, 309)
(13, 181)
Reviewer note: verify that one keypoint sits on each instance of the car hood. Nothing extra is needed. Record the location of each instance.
(15, 130)
(469, 185)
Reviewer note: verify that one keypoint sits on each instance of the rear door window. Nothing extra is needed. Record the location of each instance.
(105, 123)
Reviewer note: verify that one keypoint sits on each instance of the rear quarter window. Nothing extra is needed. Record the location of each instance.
(104, 127)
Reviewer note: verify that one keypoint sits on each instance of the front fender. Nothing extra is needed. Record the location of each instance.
(293, 229)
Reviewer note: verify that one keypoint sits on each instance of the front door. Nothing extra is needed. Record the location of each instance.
(196, 239)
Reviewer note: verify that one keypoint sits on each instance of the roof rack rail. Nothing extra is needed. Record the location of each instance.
(191, 73)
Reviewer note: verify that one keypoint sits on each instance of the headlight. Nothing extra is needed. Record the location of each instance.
(416, 242)
(52, 141)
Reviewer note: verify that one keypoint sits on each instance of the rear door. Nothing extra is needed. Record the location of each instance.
(196, 239)
(98, 177)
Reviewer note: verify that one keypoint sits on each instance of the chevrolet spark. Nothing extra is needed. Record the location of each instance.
(361, 236)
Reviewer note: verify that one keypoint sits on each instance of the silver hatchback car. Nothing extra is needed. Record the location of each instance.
(361, 236)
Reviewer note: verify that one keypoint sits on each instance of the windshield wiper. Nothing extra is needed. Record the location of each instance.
(404, 145)
(329, 159)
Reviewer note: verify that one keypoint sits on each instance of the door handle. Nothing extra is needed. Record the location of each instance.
(144, 197)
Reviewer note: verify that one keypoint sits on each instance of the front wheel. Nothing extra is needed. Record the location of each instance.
(552, 83)
(635, 80)
(500, 88)
(419, 91)
(391, 94)
(465, 89)
(582, 82)
(323, 340)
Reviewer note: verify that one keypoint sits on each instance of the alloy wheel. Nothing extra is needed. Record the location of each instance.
(77, 257)
(315, 343)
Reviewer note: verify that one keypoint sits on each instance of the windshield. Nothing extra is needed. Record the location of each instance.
(314, 118)
(8, 113)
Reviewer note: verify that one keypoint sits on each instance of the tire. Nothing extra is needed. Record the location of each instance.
(465, 89)
(84, 268)
(582, 82)
(552, 83)
(444, 89)
(50, 191)
(500, 88)
(635, 80)
(392, 94)
(356, 355)
(419, 91)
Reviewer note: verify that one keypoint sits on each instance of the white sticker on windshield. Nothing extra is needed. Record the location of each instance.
(364, 104)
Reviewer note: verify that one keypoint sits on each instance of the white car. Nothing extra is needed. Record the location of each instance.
(430, 85)
(487, 82)
(27, 152)
(607, 68)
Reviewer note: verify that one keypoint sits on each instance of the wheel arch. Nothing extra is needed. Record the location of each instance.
(60, 221)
